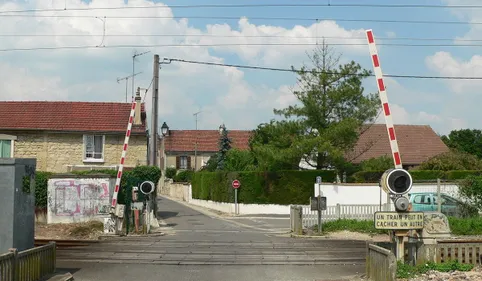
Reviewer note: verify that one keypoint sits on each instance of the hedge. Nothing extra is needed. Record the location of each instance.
(129, 178)
(282, 187)
(417, 175)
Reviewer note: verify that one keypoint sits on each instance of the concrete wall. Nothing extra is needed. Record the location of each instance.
(175, 190)
(17, 204)
(80, 199)
(54, 151)
(343, 194)
(347, 194)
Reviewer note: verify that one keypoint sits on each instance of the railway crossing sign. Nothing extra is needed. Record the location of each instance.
(236, 184)
(399, 221)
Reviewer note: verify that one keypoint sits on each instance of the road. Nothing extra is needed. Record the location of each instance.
(200, 246)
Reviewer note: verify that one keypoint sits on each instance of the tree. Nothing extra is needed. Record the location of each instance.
(239, 160)
(326, 121)
(381, 163)
(452, 160)
(465, 140)
(224, 147)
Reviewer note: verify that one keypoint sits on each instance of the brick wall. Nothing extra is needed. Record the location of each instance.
(54, 151)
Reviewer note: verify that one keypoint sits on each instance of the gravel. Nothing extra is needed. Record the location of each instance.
(474, 275)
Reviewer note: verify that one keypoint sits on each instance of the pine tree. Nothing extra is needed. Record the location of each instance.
(224, 146)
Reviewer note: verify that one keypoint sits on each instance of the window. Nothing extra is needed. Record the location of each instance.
(6, 148)
(183, 162)
(7, 143)
(94, 148)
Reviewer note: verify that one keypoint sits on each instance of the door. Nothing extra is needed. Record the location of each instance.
(422, 203)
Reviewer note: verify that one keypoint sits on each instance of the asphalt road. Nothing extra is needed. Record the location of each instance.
(200, 246)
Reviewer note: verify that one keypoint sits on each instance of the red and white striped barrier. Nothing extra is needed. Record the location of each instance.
(123, 157)
(384, 99)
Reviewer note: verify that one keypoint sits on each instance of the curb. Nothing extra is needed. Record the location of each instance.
(63, 277)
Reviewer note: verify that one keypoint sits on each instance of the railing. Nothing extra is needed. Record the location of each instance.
(358, 212)
(29, 265)
(381, 264)
(469, 253)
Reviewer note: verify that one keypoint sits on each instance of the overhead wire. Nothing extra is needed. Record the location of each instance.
(250, 18)
(259, 5)
(317, 72)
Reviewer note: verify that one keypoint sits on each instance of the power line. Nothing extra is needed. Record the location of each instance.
(240, 36)
(250, 18)
(228, 44)
(260, 5)
(318, 72)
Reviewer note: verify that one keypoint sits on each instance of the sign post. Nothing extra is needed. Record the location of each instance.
(236, 184)
(318, 203)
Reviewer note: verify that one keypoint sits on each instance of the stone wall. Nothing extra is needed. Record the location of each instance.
(175, 190)
(55, 151)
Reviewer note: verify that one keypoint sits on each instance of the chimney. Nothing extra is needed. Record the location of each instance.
(137, 115)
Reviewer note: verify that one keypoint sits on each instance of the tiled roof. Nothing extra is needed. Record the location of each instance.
(67, 116)
(207, 140)
(416, 143)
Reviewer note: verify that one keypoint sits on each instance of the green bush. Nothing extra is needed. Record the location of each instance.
(407, 271)
(184, 176)
(282, 187)
(466, 226)
(361, 226)
(367, 176)
(41, 183)
(171, 172)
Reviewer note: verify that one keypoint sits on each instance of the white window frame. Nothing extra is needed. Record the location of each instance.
(93, 160)
(12, 140)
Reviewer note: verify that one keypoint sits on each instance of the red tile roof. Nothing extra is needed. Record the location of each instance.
(207, 140)
(416, 143)
(67, 116)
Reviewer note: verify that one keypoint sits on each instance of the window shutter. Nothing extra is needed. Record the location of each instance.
(178, 162)
(188, 162)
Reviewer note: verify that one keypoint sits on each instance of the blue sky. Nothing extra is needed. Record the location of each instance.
(240, 98)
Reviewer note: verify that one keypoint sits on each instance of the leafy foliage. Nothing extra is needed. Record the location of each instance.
(382, 163)
(470, 189)
(171, 172)
(452, 160)
(407, 271)
(41, 183)
(281, 187)
(465, 140)
(239, 160)
(326, 122)
(184, 176)
(417, 175)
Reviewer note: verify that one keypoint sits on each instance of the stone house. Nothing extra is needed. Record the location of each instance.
(66, 136)
(191, 149)
(417, 143)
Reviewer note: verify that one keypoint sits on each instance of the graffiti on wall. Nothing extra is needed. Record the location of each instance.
(79, 197)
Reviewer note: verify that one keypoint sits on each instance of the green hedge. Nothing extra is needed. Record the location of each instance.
(129, 178)
(282, 187)
(417, 175)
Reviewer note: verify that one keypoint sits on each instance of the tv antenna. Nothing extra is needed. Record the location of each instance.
(127, 80)
(133, 68)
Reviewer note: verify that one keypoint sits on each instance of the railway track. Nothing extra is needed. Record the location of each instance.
(65, 243)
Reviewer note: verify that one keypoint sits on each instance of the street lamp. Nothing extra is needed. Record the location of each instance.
(164, 129)
(222, 128)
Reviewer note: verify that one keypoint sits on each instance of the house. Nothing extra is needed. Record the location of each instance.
(417, 143)
(191, 149)
(66, 136)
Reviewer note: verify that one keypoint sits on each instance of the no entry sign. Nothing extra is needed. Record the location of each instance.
(236, 184)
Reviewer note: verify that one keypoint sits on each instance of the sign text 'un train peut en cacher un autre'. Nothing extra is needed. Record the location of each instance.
(399, 221)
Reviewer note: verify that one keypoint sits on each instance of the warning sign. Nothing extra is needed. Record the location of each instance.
(395, 221)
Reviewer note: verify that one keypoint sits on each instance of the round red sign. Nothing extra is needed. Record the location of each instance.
(236, 184)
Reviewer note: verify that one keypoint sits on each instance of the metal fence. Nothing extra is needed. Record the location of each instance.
(358, 212)
(29, 265)
(381, 264)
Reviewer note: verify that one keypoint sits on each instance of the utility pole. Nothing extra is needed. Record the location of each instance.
(195, 144)
(133, 69)
(127, 80)
(155, 107)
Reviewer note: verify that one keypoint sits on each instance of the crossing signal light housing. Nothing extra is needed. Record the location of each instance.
(147, 187)
(396, 181)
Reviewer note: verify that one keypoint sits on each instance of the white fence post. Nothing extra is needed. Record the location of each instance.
(338, 211)
(358, 212)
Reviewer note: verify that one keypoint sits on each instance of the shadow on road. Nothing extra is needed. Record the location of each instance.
(165, 215)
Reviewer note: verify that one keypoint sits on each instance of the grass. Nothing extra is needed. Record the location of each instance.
(361, 226)
(408, 271)
(85, 229)
(459, 226)
(466, 226)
